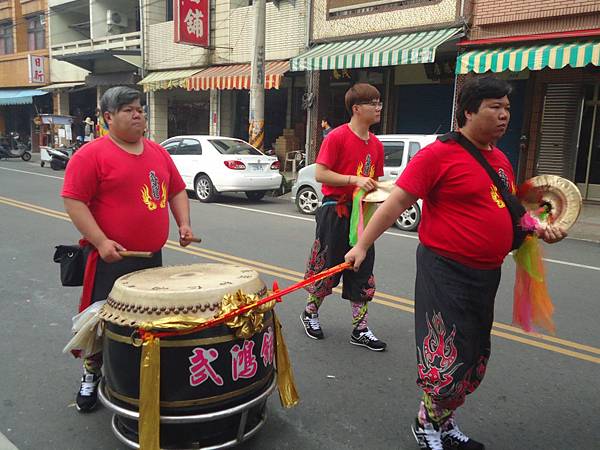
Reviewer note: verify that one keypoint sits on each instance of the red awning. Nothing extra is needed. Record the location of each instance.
(236, 76)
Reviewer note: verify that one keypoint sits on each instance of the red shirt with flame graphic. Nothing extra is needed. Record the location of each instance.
(127, 194)
(464, 217)
(345, 153)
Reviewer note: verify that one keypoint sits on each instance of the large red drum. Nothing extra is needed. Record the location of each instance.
(213, 385)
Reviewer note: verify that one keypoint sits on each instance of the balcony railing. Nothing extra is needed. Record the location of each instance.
(126, 41)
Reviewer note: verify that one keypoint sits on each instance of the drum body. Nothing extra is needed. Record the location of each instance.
(203, 374)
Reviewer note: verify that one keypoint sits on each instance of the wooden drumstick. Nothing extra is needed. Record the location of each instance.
(133, 254)
(191, 239)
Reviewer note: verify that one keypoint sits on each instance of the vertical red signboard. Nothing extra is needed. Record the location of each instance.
(192, 25)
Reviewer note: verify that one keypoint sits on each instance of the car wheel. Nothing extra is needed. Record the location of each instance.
(255, 195)
(307, 200)
(409, 220)
(205, 191)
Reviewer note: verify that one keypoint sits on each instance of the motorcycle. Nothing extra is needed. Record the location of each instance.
(59, 157)
(11, 147)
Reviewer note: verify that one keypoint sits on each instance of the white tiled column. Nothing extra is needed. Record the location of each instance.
(158, 112)
(214, 126)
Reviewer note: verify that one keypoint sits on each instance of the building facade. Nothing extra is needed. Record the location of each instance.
(24, 66)
(407, 49)
(94, 44)
(195, 90)
(551, 51)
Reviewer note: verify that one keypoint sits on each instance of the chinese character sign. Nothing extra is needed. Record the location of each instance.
(37, 72)
(243, 361)
(192, 25)
(201, 368)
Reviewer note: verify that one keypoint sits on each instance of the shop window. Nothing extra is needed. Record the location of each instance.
(169, 12)
(190, 147)
(345, 8)
(6, 38)
(36, 32)
(242, 3)
(393, 152)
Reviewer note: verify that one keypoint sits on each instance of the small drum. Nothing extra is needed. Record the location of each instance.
(213, 385)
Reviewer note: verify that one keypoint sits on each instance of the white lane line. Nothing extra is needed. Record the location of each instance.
(309, 219)
(31, 173)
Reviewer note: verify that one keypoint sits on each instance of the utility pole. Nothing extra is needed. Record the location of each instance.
(256, 130)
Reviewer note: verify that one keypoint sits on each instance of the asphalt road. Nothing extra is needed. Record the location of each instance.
(540, 391)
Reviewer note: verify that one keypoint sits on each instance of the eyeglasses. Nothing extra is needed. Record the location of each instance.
(372, 103)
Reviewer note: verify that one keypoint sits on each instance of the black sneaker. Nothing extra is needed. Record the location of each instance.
(366, 338)
(311, 324)
(454, 439)
(87, 397)
(428, 436)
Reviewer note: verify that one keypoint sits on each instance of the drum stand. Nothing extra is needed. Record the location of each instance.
(243, 409)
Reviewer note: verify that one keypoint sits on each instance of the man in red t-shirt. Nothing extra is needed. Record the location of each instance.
(117, 191)
(466, 231)
(350, 157)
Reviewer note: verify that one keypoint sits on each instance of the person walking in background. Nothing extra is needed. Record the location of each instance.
(88, 134)
(326, 127)
(350, 157)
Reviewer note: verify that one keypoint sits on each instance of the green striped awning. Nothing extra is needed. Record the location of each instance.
(515, 59)
(167, 79)
(413, 48)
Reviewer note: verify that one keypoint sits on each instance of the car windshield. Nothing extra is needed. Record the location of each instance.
(234, 147)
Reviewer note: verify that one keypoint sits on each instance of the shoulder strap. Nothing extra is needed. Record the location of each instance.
(476, 153)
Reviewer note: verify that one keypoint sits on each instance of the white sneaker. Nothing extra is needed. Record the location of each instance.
(428, 437)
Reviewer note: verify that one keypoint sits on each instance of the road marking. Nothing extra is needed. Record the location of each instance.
(381, 298)
(32, 173)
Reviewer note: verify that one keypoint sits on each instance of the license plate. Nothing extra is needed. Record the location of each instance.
(255, 167)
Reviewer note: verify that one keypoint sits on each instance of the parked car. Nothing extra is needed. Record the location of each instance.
(210, 165)
(398, 150)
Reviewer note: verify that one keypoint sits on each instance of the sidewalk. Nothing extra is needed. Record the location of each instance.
(588, 224)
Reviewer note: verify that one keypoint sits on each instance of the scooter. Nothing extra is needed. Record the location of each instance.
(59, 157)
(11, 147)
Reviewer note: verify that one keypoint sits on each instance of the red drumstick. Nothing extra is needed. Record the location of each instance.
(276, 295)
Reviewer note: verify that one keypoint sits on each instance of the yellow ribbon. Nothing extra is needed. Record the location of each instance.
(286, 385)
(149, 422)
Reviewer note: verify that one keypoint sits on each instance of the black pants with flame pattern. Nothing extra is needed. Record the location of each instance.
(454, 311)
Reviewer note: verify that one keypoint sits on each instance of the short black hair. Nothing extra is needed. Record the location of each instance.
(360, 93)
(116, 97)
(475, 90)
(326, 119)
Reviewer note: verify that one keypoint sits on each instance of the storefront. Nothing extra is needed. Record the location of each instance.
(405, 68)
(17, 110)
(229, 86)
(561, 131)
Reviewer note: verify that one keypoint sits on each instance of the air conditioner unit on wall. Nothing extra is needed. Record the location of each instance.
(116, 18)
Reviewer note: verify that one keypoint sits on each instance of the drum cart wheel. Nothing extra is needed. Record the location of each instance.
(128, 438)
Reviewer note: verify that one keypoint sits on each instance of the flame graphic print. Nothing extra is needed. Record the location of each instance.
(154, 197)
(438, 356)
(366, 169)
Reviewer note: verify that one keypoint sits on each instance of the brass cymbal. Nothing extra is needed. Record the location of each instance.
(559, 197)
(379, 195)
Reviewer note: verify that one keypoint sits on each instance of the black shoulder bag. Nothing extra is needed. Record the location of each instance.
(72, 264)
(515, 208)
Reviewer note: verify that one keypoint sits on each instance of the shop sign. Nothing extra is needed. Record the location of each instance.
(37, 71)
(192, 22)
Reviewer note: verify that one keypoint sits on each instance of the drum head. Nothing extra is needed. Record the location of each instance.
(194, 290)
(558, 196)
